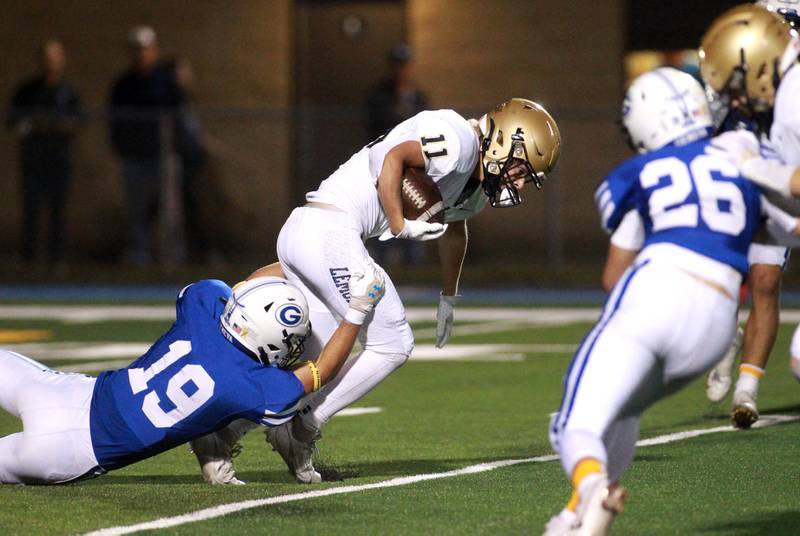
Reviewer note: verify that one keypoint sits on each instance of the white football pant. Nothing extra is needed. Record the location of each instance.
(660, 328)
(318, 249)
(55, 445)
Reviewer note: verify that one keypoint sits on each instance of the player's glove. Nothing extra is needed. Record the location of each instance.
(444, 319)
(416, 230)
(367, 286)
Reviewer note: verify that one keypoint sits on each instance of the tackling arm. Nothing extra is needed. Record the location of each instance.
(270, 270)
(331, 359)
(367, 286)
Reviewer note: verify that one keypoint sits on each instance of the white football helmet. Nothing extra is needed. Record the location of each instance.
(664, 106)
(788, 9)
(268, 318)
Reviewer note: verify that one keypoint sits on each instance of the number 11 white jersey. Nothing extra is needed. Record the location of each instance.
(450, 150)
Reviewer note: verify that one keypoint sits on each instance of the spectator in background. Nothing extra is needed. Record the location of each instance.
(392, 101)
(45, 114)
(144, 103)
(192, 159)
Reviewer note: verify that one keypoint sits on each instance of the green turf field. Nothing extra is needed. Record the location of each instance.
(435, 417)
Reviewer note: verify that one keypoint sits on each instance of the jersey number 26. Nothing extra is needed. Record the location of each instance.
(720, 204)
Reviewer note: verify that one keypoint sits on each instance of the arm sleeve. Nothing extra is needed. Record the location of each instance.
(207, 296)
(615, 196)
(630, 232)
(281, 391)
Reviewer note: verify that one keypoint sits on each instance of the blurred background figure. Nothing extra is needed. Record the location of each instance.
(392, 101)
(144, 103)
(45, 113)
(192, 159)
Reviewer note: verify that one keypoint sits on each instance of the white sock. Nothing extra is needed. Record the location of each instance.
(749, 376)
(359, 376)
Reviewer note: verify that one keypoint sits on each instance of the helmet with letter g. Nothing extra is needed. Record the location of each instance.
(267, 318)
(518, 132)
(664, 106)
(743, 57)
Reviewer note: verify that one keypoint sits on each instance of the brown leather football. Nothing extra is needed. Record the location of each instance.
(421, 197)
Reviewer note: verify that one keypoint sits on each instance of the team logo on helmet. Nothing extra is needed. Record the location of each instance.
(289, 315)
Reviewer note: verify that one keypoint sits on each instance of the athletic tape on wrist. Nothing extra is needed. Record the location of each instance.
(354, 316)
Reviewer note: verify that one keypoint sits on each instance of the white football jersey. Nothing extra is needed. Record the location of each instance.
(450, 149)
(785, 131)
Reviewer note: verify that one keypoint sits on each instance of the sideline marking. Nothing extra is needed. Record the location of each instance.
(230, 508)
(24, 335)
(354, 412)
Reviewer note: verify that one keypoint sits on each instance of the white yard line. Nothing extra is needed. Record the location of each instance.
(63, 351)
(118, 354)
(354, 412)
(539, 316)
(230, 508)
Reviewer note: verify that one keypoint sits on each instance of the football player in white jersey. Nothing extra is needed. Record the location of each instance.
(748, 60)
(471, 162)
(672, 315)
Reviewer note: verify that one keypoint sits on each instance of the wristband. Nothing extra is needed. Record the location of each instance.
(315, 375)
(354, 316)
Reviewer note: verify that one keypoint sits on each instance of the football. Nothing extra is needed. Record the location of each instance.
(421, 197)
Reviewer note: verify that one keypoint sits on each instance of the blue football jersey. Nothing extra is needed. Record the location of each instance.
(686, 197)
(191, 382)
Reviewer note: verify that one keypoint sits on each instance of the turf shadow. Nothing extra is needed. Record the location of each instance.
(772, 523)
(332, 472)
(249, 476)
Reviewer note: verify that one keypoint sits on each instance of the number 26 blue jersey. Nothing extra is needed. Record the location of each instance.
(190, 383)
(685, 197)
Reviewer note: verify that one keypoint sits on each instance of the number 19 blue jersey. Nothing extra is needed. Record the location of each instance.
(191, 382)
(686, 197)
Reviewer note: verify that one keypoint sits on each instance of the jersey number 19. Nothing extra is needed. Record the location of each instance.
(185, 404)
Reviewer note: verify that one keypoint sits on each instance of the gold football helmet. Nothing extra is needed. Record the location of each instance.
(743, 56)
(518, 132)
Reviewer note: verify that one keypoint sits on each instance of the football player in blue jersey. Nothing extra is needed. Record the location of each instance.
(672, 315)
(230, 355)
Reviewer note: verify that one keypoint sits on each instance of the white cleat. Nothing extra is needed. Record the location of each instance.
(601, 505)
(220, 472)
(744, 412)
(565, 523)
(720, 378)
(297, 454)
(216, 459)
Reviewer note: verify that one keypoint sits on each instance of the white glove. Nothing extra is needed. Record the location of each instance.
(416, 230)
(367, 286)
(444, 319)
(736, 146)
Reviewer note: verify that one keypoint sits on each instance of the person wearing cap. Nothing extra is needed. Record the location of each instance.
(45, 113)
(143, 104)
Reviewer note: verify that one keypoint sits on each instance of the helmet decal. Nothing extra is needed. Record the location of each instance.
(289, 315)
